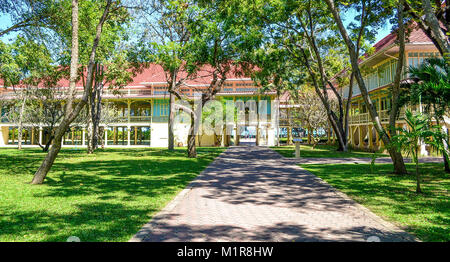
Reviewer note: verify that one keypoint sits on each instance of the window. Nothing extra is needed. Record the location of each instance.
(372, 81)
(246, 89)
(384, 74)
(415, 59)
(383, 104)
(363, 108)
(161, 108)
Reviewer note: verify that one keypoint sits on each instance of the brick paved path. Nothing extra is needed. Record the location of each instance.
(252, 194)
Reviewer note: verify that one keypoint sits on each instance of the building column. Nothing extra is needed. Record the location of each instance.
(4, 135)
(115, 135)
(129, 110)
(129, 135)
(106, 136)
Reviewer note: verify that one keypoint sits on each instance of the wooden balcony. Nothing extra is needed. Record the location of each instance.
(365, 118)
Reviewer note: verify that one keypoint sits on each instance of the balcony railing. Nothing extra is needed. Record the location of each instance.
(135, 119)
(144, 119)
(365, 118)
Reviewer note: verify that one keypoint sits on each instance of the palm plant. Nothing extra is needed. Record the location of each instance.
(409, 140)
(432, 88)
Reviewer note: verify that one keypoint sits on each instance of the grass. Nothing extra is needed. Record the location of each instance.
(321, 151)
(393, 197)
(107, 196)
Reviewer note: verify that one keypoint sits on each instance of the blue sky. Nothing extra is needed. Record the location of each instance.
(5, 22)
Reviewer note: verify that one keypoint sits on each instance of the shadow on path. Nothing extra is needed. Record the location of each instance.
(253, 194)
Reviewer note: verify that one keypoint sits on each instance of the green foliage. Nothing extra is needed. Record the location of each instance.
(432, 86)
(26, 62)
(408, 140)
(431, 89)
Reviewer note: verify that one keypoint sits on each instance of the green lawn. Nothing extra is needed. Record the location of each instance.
(107, 196)
(393, 197)
(320, 151)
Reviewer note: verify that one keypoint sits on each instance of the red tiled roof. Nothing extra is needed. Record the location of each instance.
(155, 74)
(417, 35)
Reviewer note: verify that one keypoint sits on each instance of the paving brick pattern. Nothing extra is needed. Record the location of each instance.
(253, 194)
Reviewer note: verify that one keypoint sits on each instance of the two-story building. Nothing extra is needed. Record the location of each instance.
(144, 110)
(379, 71)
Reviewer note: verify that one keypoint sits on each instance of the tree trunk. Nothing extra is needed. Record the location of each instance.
(438, 34)
(430, 25)
(97, 106)
(397, 158)
(418, 189)
(47, 145)
(90, 129)
(43, 170)
(445, 156)
(399, 168)
(416, 160)
(96, 122)
(446, 164)
(20, 124)
(171, 122)
(335, 121)
(94, 110)
(192, 151)
(70, 112)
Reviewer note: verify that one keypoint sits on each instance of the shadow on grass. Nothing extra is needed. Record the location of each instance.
(91, 222)
(320, 151)
(107, 196)
(427, 215)
(133, 177)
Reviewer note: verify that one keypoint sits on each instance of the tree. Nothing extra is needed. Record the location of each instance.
(431, 87)
(408, 140)
(24, 65)
(311, 111)
(220, 45)
(433, 17)
(72, 110)
(166, 43)
(378, 11)
(42, 107)
(115, 73)
(27, 15)
(306, 31)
